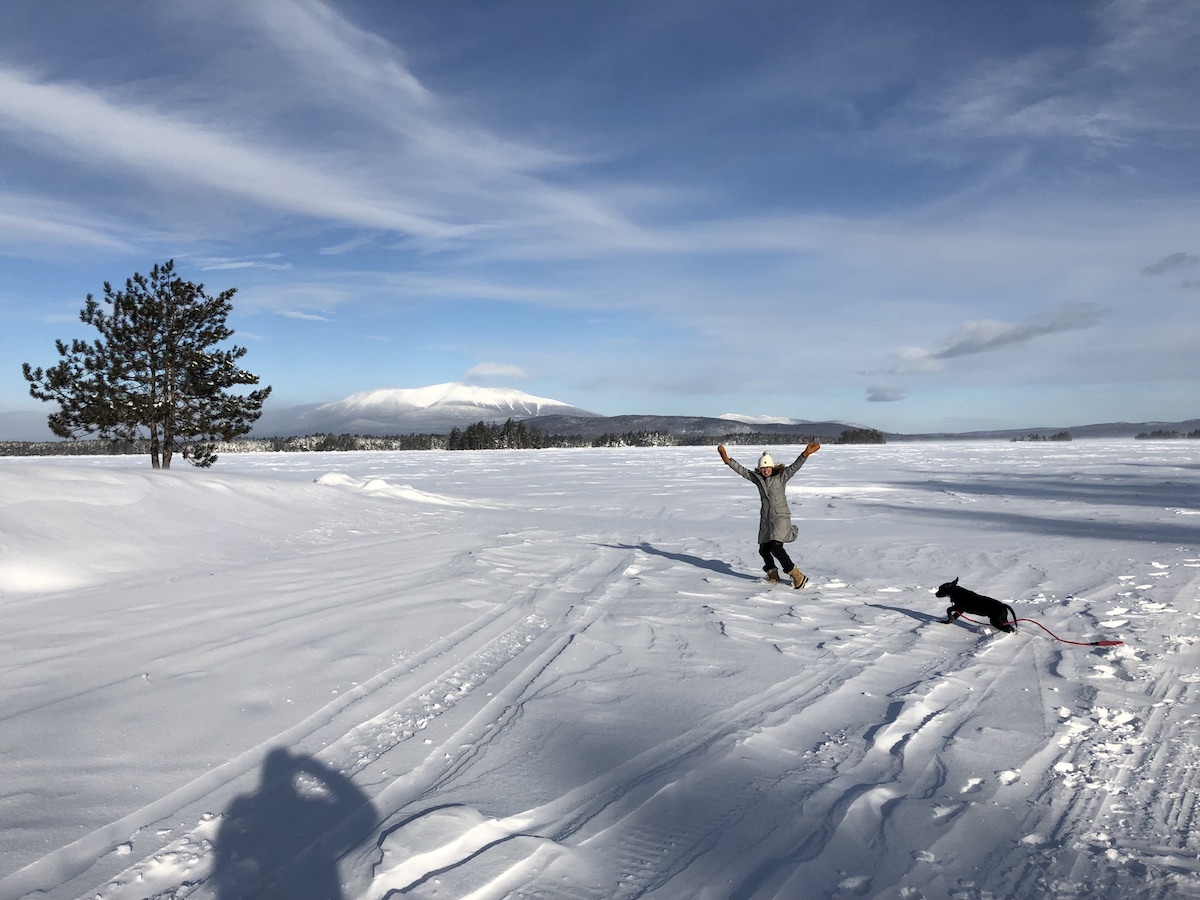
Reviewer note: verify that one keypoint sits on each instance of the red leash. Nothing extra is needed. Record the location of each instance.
(1055, 636)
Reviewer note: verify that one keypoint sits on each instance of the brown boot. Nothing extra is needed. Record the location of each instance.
(772, 576)
(799, 579)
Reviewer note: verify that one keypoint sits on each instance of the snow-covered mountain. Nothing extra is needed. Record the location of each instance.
(436, 408)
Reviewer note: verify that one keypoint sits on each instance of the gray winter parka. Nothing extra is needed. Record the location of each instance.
(775, 519)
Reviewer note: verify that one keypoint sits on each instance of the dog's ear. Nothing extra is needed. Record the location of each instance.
(955, 582)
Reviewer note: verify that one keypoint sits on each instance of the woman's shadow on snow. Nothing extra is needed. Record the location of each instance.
(713, 565)
(285, 839)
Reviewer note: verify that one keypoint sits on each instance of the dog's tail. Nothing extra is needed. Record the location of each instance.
(1012, 613)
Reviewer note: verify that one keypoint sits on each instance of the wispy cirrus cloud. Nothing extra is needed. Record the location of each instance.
(366, 75)
(269, 261)
(26, 220)
(397, 161)
(82, 123)
(304, 316)
(1102, 97)
(340, 55)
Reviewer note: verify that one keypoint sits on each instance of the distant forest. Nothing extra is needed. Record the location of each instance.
(512, 435)
(1061, 436)
(1161, 435)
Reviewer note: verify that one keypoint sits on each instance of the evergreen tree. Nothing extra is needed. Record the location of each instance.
(155, 373)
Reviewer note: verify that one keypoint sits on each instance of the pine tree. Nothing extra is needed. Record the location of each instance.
(156, 371)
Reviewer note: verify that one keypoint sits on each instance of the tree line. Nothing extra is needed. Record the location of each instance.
(1033, 436)
(846, 436)
(1161, 434)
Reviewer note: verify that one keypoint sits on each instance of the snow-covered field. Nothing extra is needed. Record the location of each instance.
(558, 674)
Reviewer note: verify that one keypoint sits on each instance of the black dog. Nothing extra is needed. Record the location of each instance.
(964, 601)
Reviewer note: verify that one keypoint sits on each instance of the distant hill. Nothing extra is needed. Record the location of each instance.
(1106, 430)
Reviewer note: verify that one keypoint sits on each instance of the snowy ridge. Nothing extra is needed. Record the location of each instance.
(452, 394)
(760, 420)
(383, 487)
(558, 674)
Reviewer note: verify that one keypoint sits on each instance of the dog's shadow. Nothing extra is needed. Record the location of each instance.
(923, 617)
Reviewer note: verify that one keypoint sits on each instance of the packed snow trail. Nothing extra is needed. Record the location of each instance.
(558, 674)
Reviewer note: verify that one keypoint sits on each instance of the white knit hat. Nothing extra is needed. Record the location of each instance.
(766, 460)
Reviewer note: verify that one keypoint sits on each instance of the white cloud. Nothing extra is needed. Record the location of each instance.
(886, 393)
(307, 317)
(485, 371)
(914, 360)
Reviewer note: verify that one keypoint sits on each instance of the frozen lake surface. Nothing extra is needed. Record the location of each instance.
(559, 674)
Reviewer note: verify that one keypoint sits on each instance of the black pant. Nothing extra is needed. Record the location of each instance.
(775, 549)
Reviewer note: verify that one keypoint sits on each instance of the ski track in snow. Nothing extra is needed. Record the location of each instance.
(620, 708)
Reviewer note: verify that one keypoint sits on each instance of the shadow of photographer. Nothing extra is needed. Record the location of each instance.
(284, 840)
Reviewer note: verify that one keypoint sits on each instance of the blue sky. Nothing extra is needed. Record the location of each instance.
(917, 216)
